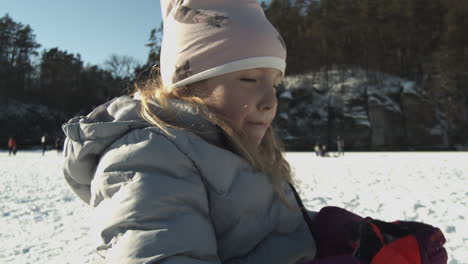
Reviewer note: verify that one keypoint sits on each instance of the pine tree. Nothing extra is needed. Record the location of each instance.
(17, 47)
(60, 79)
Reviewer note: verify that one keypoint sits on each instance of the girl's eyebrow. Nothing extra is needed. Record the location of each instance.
(253, 71)
(277, 77)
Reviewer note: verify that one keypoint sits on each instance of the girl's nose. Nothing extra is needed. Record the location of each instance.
(268, 100)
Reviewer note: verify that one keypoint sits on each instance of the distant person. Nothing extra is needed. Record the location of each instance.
(317, 150)
(58, 145)
(43, 144)
(324, 151)
(189, 170)
(11, 146)
(340, 146)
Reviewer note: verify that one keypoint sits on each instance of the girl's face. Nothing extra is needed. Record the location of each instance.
(247, 99)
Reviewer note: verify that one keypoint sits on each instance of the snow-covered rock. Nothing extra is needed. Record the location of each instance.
(373, 111)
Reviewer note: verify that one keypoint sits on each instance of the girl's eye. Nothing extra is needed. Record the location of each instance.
(248, 80)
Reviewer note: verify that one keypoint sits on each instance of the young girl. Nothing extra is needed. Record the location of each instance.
(188, 170)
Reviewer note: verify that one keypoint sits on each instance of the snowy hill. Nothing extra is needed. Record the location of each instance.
(371, 111)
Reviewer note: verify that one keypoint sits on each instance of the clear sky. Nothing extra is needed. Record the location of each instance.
(93, 28)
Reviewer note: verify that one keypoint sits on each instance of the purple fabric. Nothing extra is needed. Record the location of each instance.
(331, 228)
(431, 242)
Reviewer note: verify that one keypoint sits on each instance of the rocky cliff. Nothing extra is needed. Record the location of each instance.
(370, 111)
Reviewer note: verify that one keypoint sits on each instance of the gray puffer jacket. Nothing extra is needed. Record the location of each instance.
(182, 199)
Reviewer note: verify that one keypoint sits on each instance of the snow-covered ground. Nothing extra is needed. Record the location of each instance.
(42, 221)
(429, 187)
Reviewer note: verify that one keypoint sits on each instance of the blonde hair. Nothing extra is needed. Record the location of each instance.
(267, 158)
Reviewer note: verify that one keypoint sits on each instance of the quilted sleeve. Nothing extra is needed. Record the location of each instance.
(151, 205)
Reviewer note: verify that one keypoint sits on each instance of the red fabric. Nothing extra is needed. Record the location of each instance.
(421, 244)
(402, 251)
(377, 232)
(431, 242)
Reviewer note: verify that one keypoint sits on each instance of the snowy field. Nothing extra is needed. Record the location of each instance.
(41, 221)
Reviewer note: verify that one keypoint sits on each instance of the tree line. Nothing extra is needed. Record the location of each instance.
(401, 37)
(55, 77)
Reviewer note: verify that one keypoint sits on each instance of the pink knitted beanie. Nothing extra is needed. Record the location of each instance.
(208, 38)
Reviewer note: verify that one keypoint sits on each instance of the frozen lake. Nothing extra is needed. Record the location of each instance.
(42, 221)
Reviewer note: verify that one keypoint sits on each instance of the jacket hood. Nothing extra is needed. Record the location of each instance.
(88, 137)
